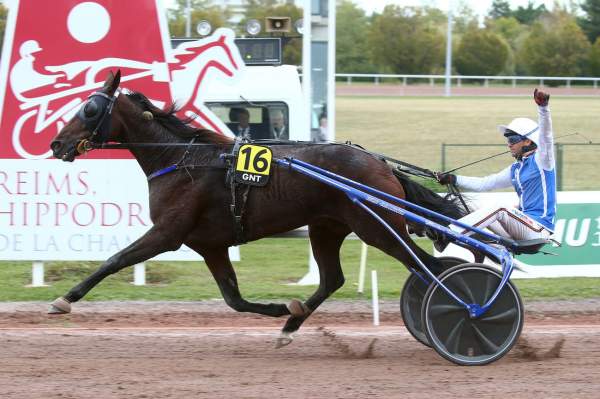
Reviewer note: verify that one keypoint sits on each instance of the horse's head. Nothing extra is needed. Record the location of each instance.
(92, 122)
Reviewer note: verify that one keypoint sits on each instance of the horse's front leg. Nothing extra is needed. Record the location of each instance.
(220, 266)
(154, 242)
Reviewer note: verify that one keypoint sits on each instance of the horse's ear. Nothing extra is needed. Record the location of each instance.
(112, 82)
(109, 79)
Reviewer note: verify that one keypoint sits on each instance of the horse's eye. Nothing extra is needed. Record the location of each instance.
(90, 109)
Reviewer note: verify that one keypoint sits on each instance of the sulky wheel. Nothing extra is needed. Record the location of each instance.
(461, 339)
(412, 296)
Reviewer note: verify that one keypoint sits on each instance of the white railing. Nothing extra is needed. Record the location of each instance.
(459, 78)
(139, 269)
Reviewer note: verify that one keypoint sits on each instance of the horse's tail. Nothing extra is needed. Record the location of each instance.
(420, 195)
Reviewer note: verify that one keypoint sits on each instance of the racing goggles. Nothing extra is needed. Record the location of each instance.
(513, 138)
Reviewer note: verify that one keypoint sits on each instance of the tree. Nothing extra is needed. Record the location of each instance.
(555, 47)
(528, 15)
(481, 52)
(590, 23)
(3, 15)
(260, 9)
(594, 59)
(514, 33)
(464, 19)
(402, 41)
(509, 28)
(200, 10)
(434, 16)
(352, 51)
(500, 9)
(525, 15)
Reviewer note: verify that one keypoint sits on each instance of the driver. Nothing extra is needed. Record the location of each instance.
(24, 77)
(532, 175)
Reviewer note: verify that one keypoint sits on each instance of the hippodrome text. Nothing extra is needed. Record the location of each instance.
(60, 213)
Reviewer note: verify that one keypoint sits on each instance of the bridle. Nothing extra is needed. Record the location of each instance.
(96, 115)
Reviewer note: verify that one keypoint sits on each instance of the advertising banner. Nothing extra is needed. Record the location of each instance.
(55, 54)
(577, 229)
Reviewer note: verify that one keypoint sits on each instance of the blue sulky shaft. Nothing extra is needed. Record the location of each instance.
(360, 193)
(401, 201)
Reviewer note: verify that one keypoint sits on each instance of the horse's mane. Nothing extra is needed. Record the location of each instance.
(167, 119)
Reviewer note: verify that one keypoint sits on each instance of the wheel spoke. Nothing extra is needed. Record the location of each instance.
(462, 285)
(440, 310)
(451, 343)
(490, 287)
(488, 346)
(507, 316)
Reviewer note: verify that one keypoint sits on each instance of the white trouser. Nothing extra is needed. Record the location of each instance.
(504, 221)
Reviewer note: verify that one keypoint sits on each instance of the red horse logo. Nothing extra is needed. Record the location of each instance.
(57, 53)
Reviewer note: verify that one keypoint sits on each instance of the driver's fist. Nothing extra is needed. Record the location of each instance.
(541, 98)
(445, 178)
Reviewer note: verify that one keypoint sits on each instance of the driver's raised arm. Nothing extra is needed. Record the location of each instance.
(546, 139)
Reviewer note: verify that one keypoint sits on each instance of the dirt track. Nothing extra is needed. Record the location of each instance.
(203, 350)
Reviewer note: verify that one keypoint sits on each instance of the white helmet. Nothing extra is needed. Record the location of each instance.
(29, 47)
(524, 127)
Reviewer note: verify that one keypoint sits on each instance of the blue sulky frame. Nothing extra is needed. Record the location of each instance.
(360, 193)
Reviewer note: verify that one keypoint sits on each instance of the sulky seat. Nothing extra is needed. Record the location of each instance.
(529, 247)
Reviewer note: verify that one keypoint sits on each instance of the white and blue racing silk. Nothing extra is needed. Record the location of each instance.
(533, 177)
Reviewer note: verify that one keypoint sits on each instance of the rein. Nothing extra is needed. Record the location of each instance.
(416, 171)
(88, 145)
(405, 167)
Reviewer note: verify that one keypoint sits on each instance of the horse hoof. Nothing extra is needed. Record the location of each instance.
(283, 340)
(298, 309)
(60, 306)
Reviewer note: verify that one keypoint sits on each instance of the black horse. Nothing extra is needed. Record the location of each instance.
(192, 206)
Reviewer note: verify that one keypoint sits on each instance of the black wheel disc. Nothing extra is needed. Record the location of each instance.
(461, 339)
(411, 301)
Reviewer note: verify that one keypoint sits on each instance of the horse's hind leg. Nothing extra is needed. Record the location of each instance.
(326, 239)
(220, 266)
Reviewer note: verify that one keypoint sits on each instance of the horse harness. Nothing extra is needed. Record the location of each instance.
(239, 191)
(96, 115)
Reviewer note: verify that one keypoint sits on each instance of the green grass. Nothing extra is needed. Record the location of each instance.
(413, 128)
(266, 269)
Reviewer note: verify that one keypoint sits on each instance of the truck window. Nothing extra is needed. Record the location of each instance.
(258, 121)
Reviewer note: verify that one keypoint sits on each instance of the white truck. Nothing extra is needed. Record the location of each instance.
(271, 94)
